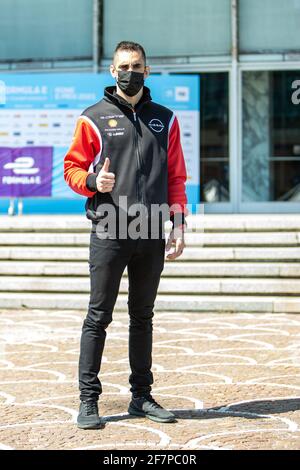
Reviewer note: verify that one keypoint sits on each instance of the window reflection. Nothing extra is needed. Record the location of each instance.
(271, 137)
(285, 130)
(214, 152)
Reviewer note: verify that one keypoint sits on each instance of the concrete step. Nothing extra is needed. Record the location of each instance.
(172, 268)
(207, 222)
(192, 239)
(250, 286)
(190, 253)
(232, 263)
(204, 303)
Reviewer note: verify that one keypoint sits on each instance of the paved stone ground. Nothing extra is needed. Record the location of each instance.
(233, 381)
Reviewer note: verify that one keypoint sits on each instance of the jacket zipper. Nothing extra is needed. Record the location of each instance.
(140, 196)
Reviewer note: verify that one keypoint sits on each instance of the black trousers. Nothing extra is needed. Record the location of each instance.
(144, 259)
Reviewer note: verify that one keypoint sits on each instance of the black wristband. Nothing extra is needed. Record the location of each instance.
(91, 182)
(178, 219)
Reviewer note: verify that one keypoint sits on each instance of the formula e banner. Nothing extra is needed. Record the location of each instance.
(38, 113)
(26, 171)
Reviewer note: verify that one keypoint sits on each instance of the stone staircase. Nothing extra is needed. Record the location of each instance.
(232, 263)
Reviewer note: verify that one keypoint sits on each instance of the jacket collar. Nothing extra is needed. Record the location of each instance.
(110, 94)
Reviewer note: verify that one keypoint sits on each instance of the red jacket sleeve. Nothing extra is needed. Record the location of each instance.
(176, 172)
(83, 149)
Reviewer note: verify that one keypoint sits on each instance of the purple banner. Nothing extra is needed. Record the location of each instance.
(25, 171)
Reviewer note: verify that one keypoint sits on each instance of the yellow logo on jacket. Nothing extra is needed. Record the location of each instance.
(112, 123)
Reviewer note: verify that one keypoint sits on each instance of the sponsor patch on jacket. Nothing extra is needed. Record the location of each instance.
(112, 123)
(156, 125)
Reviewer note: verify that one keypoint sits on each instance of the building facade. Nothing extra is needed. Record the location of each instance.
(246, 53)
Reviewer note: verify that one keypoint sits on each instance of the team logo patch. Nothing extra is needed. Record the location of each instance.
(156, 125)
(112, 123)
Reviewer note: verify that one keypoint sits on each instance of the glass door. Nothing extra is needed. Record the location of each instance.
(270, 147)
(214, 140)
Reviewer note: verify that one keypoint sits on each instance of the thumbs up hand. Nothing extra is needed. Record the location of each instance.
(105, 180)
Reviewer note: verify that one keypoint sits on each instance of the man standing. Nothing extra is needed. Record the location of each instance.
(126, 145)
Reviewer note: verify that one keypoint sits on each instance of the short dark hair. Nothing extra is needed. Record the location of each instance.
(130, 46)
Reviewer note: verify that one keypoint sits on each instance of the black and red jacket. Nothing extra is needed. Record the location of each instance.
(145, 153)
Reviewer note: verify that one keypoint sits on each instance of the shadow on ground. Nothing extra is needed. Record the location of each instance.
(249, 410)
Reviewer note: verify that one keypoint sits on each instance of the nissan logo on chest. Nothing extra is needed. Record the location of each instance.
(156, 125)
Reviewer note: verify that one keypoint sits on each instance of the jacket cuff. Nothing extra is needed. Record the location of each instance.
(91, 182)
(178, 219)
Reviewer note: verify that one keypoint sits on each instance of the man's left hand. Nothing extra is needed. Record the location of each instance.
(176, 239)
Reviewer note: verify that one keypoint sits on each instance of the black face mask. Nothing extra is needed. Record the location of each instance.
(130, 82)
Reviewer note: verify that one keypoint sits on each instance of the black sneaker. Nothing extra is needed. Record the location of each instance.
(88, 417)
(147, 406)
